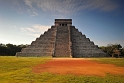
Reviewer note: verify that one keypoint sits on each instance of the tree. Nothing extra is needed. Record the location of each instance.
(114, 50)
(3, 49)
(122, 52)
(10, 49)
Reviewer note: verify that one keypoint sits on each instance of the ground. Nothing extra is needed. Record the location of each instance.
(61, 70)
(78, 66)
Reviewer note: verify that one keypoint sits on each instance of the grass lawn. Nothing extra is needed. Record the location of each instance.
(115, 61)
(19, 70)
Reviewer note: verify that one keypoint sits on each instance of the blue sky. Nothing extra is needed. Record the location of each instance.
(22, 21)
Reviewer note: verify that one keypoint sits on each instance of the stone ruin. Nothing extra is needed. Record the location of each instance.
(62, 40)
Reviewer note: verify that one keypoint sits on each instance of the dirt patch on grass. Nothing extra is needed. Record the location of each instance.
(77, 66)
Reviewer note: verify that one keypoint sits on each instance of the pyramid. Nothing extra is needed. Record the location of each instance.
(62, 40)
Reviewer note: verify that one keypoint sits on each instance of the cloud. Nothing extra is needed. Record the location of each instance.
(28, 2)
(35, 30)
(72, 6)
(104, 5)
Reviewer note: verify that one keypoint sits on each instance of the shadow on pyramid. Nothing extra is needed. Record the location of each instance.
(62, 40)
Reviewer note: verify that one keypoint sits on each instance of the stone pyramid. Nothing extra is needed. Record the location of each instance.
(62, 40)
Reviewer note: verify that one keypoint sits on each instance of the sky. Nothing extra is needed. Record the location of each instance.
(22, 21)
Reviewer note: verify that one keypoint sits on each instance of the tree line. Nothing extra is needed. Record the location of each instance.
(113, 50)
(10, 49)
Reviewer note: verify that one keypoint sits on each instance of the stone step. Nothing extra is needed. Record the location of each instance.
(82, 46)
(42, 46)
(62, 47)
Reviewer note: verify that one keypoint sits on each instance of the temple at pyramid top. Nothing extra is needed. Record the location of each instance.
(63, 22)
(62, 40)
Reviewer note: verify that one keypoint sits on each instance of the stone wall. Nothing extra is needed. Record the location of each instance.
(63, 22)
(82, 46)
(42, 46)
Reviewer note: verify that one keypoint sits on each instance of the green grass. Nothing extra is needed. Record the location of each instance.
(18, 70)
(115, 61)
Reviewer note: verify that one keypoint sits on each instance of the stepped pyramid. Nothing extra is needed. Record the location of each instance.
(62, 40)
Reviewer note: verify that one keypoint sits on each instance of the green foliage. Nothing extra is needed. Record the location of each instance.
(19, 70)
(114, 50)
(10, 49)
(122, 51)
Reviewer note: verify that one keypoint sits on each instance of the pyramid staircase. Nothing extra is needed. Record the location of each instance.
(62, 45)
